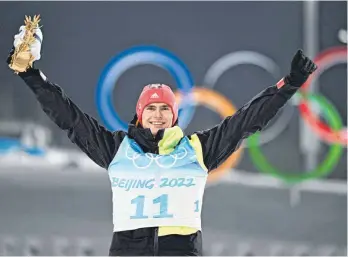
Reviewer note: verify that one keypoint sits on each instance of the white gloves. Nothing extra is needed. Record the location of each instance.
(35, 48)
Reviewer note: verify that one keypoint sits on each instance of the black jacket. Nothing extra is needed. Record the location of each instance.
(101, 146)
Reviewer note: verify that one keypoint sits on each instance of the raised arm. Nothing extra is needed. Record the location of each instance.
(220, 141)
(97, 142)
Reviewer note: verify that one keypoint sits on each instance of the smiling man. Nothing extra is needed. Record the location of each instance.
(156, 108)
(157, 173)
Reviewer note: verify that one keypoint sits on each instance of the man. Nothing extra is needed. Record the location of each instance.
(158, 174)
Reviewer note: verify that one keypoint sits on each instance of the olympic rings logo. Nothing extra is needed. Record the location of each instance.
(143, 162)
(188, 96)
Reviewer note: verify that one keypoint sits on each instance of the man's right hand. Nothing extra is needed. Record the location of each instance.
(35, 47)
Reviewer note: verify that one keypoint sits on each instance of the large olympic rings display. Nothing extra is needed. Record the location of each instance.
(324, 61)
(189, 96)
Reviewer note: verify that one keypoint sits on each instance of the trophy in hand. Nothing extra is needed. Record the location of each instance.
(22, 57)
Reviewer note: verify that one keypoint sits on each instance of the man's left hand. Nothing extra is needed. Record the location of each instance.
(301, 68)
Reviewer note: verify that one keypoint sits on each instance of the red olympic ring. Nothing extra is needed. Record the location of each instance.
(327, 133)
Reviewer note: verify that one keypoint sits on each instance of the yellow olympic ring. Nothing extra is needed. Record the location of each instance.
(224, 107)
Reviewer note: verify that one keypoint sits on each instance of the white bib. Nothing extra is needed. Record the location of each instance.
(156, 200)
(150, 190)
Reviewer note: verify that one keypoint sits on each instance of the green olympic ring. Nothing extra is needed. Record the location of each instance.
(324, 168)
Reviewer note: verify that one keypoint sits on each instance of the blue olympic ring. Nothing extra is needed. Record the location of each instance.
(136, 56)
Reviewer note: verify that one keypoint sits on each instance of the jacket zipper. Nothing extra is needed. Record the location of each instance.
(156, 242)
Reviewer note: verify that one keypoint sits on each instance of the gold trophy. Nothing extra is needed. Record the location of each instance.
(22, 58)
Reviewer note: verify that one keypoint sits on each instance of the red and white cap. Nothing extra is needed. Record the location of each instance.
(157, 93)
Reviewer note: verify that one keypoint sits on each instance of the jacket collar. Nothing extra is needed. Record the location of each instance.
(144, 136)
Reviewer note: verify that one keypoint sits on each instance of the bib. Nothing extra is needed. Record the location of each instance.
(151, 190)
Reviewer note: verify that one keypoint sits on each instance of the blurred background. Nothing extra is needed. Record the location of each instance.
(55, 201)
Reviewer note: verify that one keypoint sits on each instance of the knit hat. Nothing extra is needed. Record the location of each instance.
(157, 93)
